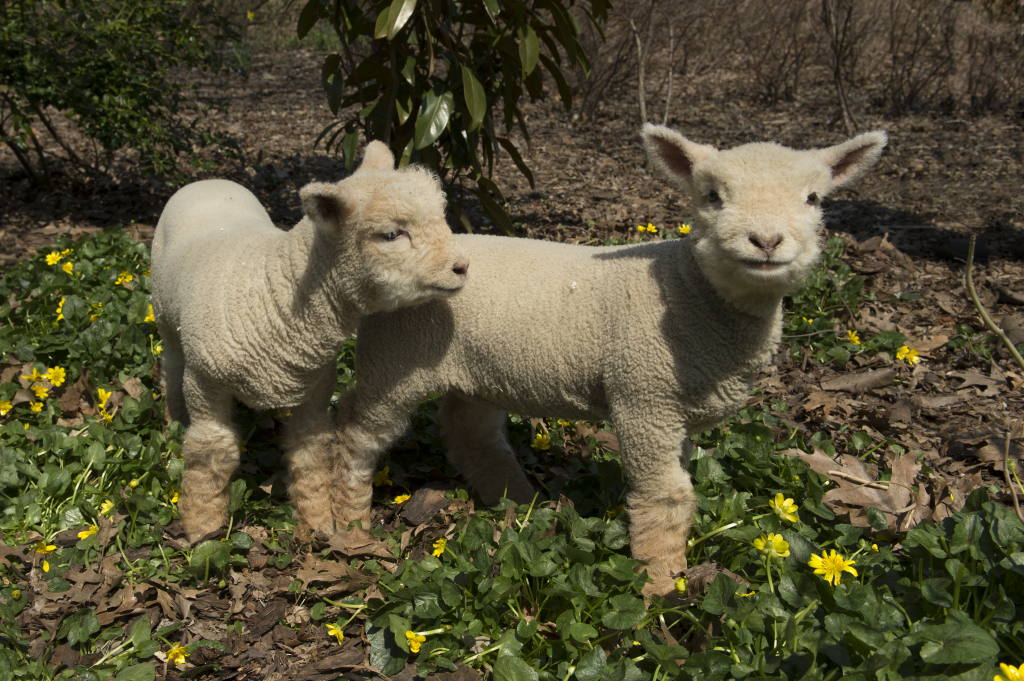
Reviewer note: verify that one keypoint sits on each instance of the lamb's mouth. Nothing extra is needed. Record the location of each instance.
(765, 265)
(446, 291)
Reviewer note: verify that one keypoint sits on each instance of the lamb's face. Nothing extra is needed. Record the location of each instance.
(407, 250)
(758, 217)
(758, 206)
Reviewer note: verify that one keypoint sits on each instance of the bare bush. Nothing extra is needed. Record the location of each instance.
(992, 67)
(777, 42)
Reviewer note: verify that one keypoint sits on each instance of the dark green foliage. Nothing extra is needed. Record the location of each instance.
(438, 81)
(107, 65)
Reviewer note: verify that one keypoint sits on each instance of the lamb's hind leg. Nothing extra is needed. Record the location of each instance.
(661, 501)
(308, 442)
(211, 456)
(477, 447)
(172, 374)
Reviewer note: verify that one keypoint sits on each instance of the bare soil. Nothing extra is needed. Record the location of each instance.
(941, 179)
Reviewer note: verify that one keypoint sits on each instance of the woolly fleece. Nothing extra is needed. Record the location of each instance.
(249, 311)
(663, 339)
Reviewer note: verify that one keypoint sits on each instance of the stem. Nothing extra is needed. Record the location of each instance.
(984, 315)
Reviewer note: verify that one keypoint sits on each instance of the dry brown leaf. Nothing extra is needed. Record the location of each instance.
(133, 386)
(821, 399)
(425, 503)
(988, 387)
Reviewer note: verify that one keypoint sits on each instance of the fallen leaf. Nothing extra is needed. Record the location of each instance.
(820, 399)
(425, 503)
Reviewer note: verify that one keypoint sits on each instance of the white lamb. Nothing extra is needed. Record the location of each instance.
(248, 311)
(664, 339)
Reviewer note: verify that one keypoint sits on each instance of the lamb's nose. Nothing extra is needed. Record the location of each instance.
(461, 269)
(766, 245)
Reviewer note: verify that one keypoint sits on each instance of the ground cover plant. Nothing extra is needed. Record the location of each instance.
(793, 574)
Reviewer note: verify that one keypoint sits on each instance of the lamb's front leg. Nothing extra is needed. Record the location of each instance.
(661, 501)
(211, 455)
(365, 428)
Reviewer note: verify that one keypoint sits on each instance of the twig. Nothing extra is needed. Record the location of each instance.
(873, 484)
(839, 293)
(813, 333)
(981, 310)
(1006, 469)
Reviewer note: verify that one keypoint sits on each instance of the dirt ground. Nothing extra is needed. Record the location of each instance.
(941, 179)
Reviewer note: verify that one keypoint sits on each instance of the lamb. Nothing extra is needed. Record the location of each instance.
(663, 339)
(249, 311)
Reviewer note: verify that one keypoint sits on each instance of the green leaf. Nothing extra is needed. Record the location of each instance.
(348, 147)
(308, 18)
(511, 150)
(498, 216)
(877, 519)
(563, 88)
(140, 633)
(493, 10)
(529, 49)
(385, 653)
(591, 667)
(318, 611)
(433, 117)
(625, 612)
(137, 672)
(381, 28)
(398, 15)
(955, 642)
(510, 668)
(720, 595)
(476, 100)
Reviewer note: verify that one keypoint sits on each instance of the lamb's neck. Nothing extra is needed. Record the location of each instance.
(306, 293)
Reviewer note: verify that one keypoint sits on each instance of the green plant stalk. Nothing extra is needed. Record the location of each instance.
(993, 327)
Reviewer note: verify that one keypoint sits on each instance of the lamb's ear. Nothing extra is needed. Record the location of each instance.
(673, 155)
(377, 157)
(854, 157)
(327, 205)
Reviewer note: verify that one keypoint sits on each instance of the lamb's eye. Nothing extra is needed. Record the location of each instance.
(812, 198)
(713, 196)
(391, 236)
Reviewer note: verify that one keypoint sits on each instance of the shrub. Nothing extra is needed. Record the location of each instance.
(106, 66)
(430, 76)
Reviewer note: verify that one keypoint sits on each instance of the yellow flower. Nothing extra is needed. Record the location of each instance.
(853, 337)
(36, 407)
(40, 390)
(651, 228)
(108, 417)
(60, 307)
(541, 441)
(784, 508)
(89, 532)
(133, 483)
(402, 498)
(5, 406)
(54, 258)
(56, 376)
(773, 547)
(564, 423)
(251, 16)
(35, 376)
(383, 479)
(99, 310)
(157, 348)
(68, 267)
(748, 594)
(43, 547)
(46, 566)
(809, 321)
(874, 548)
(174, 498)
(684, 229)
(333, 629)
(149, 317)
(415, 640)
(832, 567)
(176, 655)
(123, 278)
(106, 507)
(16, 594)
(641, 228)
(439, 547)
(1010, 673)
(65, 252)
(681, 586)
(909, 355)
(103, 396)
